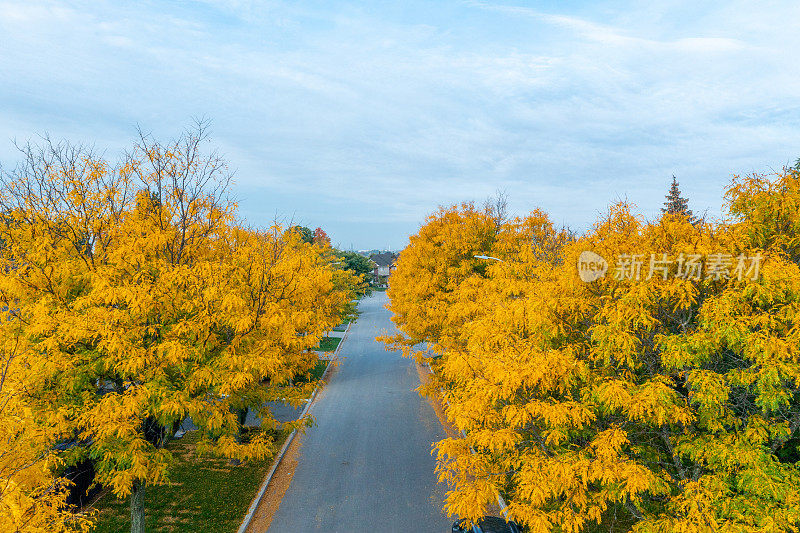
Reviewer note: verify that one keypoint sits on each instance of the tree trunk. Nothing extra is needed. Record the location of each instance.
(241, 416)
(137, 507)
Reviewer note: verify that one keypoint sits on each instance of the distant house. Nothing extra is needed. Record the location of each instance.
(383, 264)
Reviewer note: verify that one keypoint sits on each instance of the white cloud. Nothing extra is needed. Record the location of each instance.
(344, 112)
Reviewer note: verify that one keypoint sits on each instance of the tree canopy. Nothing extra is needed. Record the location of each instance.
(133, 299)
(305, 233)
(675, 203)
(659, 402)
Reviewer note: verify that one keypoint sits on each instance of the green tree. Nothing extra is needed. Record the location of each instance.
(676, 204)
(356, 263)
(305, 233)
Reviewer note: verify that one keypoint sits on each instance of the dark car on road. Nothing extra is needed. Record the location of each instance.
(488, 524)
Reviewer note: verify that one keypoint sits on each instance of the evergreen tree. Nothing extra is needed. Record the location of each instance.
(676, 204)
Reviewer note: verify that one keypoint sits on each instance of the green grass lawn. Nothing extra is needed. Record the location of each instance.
(341, 327)
(205, 494)
(319, 369)
(328, 344)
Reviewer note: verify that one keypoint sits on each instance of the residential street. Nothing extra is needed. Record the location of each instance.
(366, 466)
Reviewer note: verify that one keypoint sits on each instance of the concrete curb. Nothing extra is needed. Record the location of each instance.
(277, 461)
(500, 501)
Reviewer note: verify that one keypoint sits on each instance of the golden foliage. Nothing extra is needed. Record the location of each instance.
(133, 300)
(668, 399)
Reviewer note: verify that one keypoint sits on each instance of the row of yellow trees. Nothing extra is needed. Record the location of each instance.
(132, 298)
(652, 405)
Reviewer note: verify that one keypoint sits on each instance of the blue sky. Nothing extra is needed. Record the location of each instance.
(363, 117)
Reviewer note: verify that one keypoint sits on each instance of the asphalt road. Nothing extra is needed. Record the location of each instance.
(367, 466)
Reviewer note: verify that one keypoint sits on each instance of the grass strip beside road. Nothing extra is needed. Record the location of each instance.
(328, 344)
(204, 494)
(319, 369)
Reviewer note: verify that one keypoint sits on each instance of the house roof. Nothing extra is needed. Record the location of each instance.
(383, 259)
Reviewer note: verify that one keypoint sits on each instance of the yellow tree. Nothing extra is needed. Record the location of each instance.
(664, 394)
(142, 304)
(434, 264)
(274, 299)
(32, 499)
